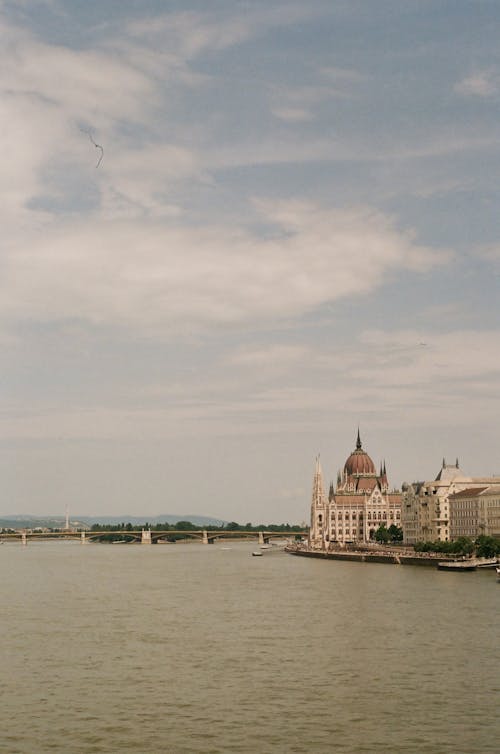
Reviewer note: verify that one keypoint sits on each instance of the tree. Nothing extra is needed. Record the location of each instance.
(487, 547)
(185, 526)
(463, 546)
(395, 533)
(382, 535)
(233, 526)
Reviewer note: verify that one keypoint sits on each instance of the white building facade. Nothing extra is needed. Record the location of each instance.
(475, 512)
(426, 513)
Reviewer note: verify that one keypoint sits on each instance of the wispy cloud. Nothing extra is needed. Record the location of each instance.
(482, 84)
(399, 378)
(192, 33)
(166, 275)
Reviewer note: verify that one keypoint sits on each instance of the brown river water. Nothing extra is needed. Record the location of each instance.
(196, 648)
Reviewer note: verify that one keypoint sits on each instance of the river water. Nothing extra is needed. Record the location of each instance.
(195, 648)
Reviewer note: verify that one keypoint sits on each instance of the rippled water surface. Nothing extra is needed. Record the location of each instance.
(193, 648)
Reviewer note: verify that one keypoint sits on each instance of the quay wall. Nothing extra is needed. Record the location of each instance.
(367, 557)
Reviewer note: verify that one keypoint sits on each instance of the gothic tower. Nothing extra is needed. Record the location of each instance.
(318, 509)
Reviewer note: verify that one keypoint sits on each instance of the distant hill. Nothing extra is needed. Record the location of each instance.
(31, 522)
(55, 522)
(166, 518)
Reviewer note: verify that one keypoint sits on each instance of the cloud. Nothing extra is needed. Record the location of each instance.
(282, 355)
(389, 378)
(48, 93)
(300, 102)
(161, 276)
(192, 33)
(480, 84)
(292, 114)
(489, 251)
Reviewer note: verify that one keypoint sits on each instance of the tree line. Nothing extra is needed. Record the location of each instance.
(483, 547)
(189, 526)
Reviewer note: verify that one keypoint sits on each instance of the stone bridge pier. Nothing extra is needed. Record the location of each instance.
(146, 537)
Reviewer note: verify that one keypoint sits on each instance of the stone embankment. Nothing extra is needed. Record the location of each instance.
(369, 555)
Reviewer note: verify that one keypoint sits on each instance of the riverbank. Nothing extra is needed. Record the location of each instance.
(392, 557)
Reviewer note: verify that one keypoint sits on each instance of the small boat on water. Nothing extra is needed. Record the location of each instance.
(257, 554)
(273, 547)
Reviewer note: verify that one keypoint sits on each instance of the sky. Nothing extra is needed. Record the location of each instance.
(233, 233)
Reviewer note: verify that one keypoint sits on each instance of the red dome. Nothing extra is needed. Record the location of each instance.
(359, 462)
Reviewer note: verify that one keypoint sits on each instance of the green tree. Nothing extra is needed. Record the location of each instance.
(487, 547)
(382, 535)
(232, 526)
(185, 526)
(395, 533)
(463, 546)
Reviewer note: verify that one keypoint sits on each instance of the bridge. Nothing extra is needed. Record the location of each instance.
(150, 537)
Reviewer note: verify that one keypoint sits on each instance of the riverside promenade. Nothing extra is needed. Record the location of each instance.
(370, 554)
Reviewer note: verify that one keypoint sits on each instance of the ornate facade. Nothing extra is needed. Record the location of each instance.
(475, 512)
(427, 510)
(360, 503)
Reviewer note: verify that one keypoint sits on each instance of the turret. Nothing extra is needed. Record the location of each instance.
(318, 508)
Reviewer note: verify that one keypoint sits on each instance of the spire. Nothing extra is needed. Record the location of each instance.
(444, 463)
(358, 442)
(318, 494)
(456, 464)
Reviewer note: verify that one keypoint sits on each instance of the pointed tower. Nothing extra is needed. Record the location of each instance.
(331, 492)
(384, 480)
(318, 510)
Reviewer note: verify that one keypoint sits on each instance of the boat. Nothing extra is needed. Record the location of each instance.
(486, 562)
(257, 554)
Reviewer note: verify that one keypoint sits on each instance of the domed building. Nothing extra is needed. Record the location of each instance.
(360, 503)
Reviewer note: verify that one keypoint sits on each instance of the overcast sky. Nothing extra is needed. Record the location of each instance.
(290, 228)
